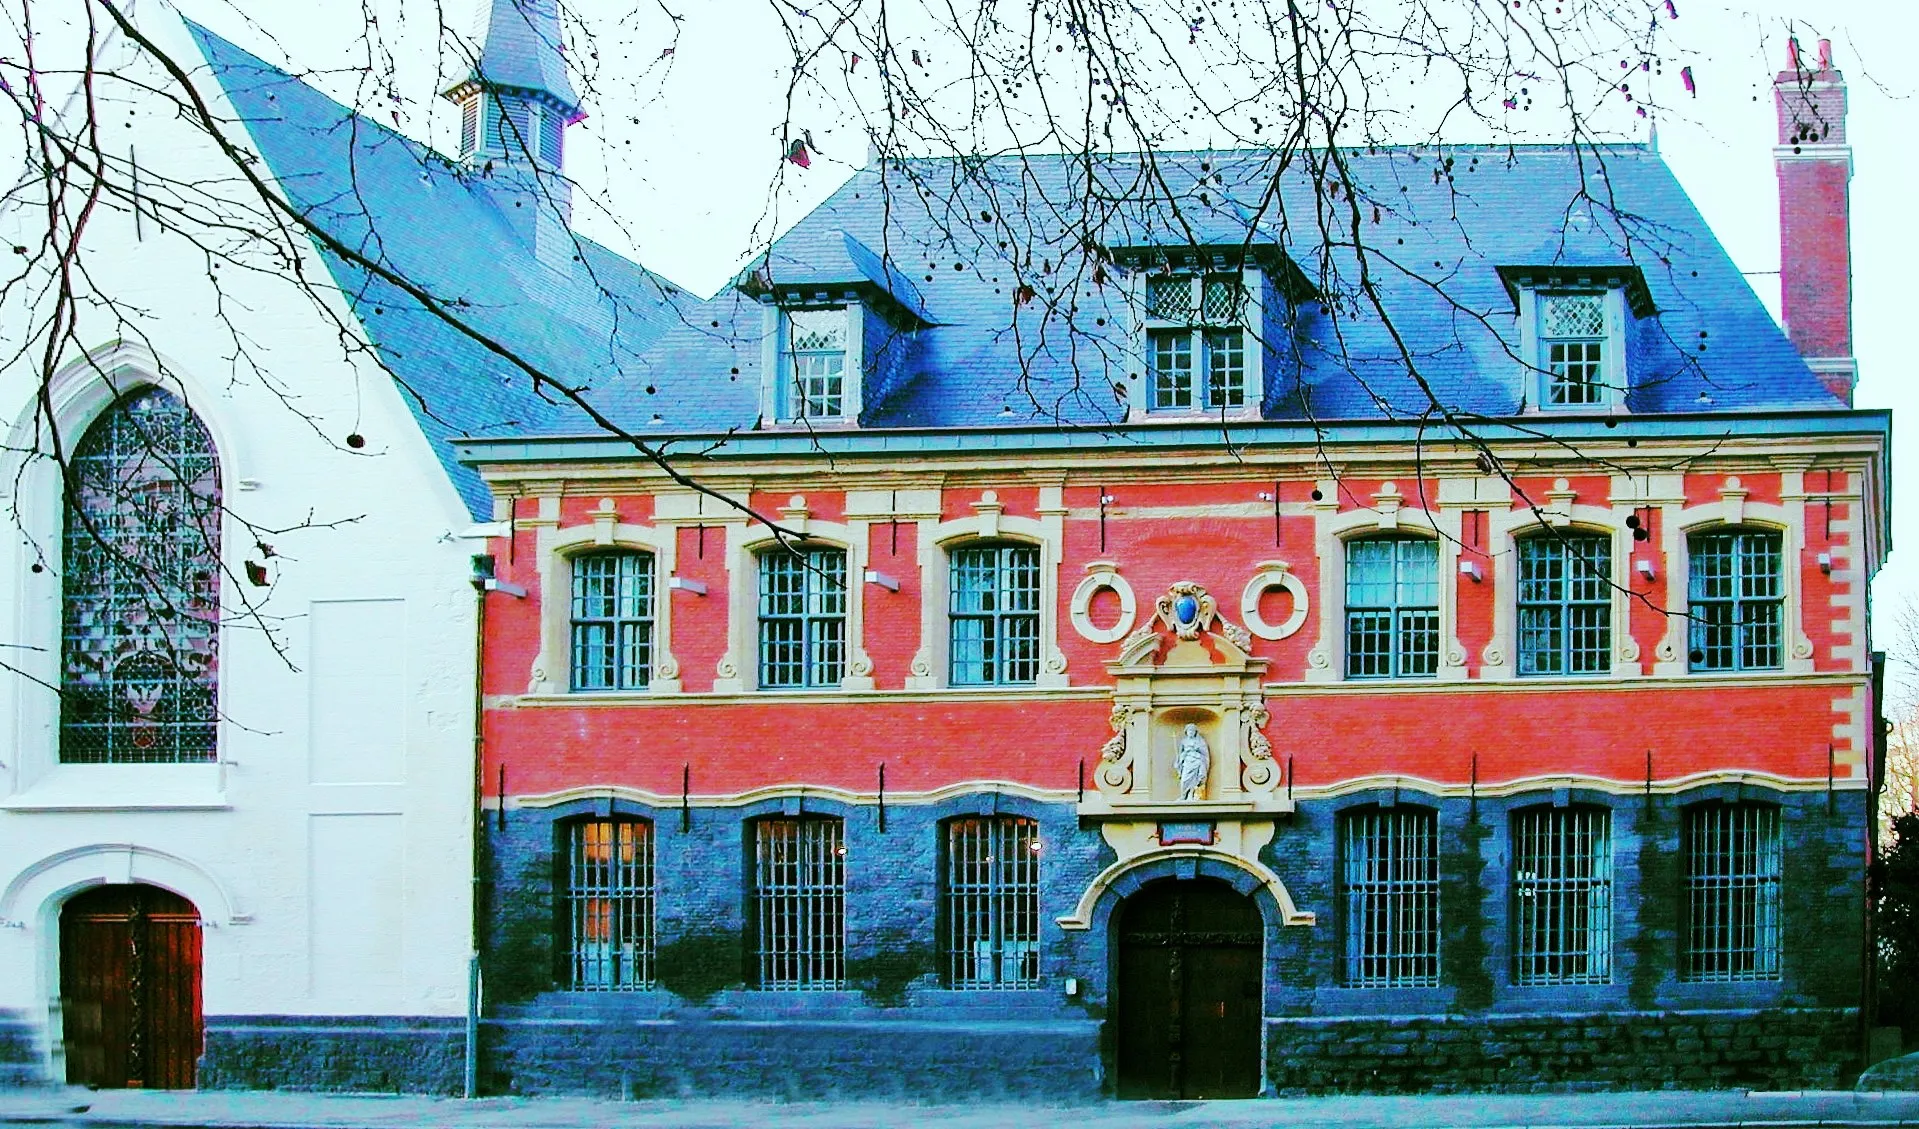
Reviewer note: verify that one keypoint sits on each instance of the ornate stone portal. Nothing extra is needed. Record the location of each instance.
(1188, 771)
(1186, 689)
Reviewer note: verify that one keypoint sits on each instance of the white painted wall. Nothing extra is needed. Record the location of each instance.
(329, 851)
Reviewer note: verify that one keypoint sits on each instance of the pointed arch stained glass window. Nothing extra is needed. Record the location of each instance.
(141, 587)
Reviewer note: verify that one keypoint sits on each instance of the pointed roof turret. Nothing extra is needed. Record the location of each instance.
(521, 52)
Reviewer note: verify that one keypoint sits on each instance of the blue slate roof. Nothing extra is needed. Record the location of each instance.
(580, 316)
(1439, 225)
(1008, 306)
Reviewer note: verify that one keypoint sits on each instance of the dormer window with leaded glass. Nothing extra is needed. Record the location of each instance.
(818, 365)
(1572, 338)
(1197, 354)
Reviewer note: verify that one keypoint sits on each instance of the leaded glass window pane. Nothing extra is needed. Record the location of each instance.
(1572, 332)
(612, 621)
(816, 350)
(1565, 605)
(992, 902)
(1223, 301)
(1562, 896)
(1732, 892)
(1390, 880)
(994, 615)
(1392, 608)
(609, 904)
(802, 618)
(1170, 298)
(1737, 600)
(141, 588)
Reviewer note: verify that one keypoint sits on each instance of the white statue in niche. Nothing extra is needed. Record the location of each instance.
(1194, 761)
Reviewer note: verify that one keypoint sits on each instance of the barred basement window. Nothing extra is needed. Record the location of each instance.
(992, 902)
(1737, 595)
(1562, 896)
(1392, 608)
(1565, 605)
(1194, 326)
(1732, 892)
(1572, 335)
(802, 618)
(609, 904)
(994, 615)
(612, 626)
(1390, 878)
(140, 622)
(816, 343)
(799, 903)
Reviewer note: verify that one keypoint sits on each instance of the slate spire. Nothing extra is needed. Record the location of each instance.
(516, 101)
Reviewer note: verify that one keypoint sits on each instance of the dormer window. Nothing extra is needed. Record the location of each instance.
(815, 363)
(1573, 345)
(1573, 331)
(1196, 343)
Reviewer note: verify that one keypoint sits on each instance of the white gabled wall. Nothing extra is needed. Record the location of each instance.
(329, 852)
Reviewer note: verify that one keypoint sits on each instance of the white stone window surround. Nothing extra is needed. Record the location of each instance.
(1733, 510)
(989, 522)
(556, 548)
(1532, 350)
(33, 777)
(1333, 529)
(776, 375)
(1251, 324)
(738, 669)
(1563, 515)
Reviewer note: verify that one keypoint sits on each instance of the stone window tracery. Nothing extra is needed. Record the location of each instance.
(141, 587)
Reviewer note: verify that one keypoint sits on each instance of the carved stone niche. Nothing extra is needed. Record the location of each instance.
(1187, 666)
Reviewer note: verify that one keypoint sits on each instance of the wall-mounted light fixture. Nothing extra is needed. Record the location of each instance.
(1471, 568)
(1825, 563)
(890, 583)
(683, 584)
(1645, 568)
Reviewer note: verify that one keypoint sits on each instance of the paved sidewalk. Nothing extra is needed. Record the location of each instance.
(77, 1107)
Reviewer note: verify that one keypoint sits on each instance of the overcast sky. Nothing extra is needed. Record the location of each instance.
(684, 149)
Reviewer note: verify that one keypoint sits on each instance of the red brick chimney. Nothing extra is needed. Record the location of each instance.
(1815, 259)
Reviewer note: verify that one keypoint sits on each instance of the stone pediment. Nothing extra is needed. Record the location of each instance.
(1187, 721)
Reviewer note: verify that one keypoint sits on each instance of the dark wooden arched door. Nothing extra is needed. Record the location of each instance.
(130, 988)
(1188, 995)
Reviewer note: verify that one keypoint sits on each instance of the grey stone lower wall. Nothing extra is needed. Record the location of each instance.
(1774, 1049)
(388, 1054)
(794, 1059)
(19, 1064)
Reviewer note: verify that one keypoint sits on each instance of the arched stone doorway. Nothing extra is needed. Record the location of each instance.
(130, 988)
(1188, 991)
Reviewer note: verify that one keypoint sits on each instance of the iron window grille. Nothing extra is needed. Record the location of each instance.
(1195, 329)
(799, 903)
(1732, 892)
(1736, 591)
(140, 588)
(802, 618)
(1562, 895)
(994, 615)
(1565, 605)
(816, 356)
(1390, 878)
(992, 902)
(1392, 608)
(1572, 335)
(610, 904)
(612, 625)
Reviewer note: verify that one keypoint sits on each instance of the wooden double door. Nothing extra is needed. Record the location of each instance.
(1189, 992)
(130, 988)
